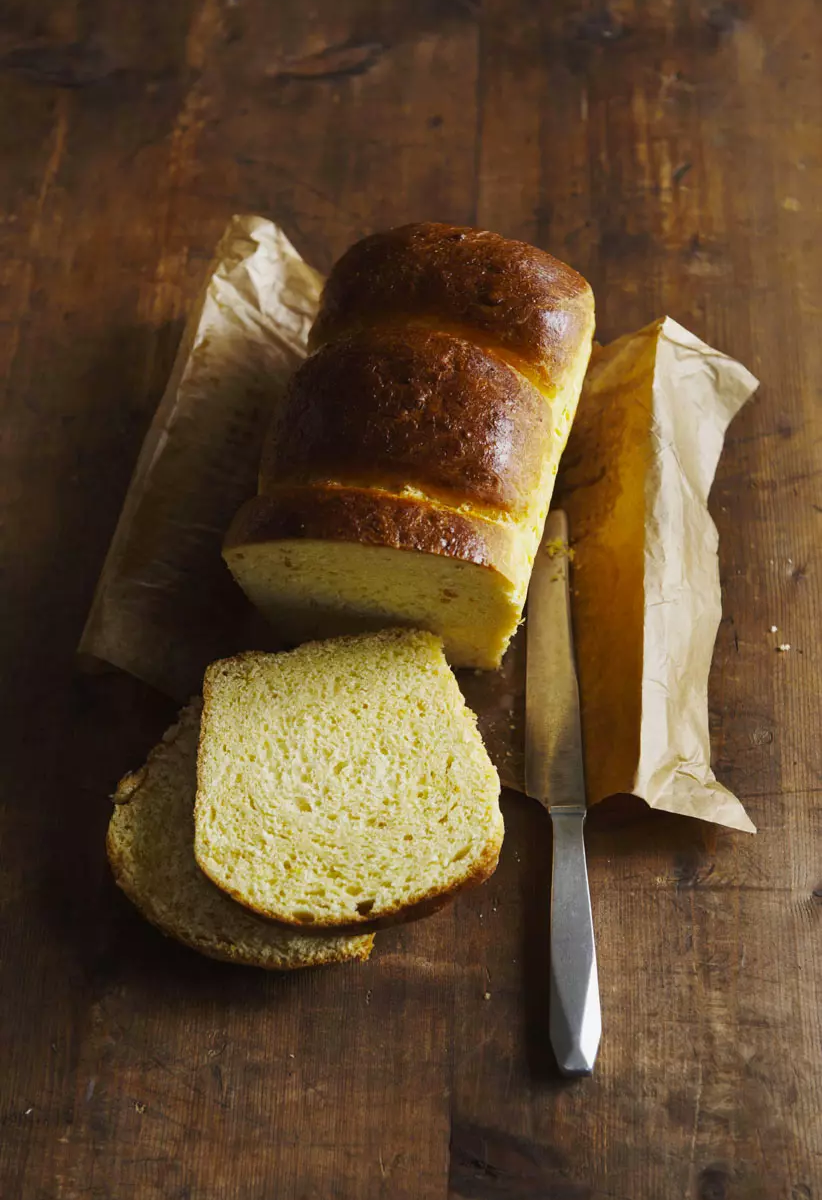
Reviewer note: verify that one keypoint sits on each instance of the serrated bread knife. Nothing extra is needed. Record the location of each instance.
(554, 775)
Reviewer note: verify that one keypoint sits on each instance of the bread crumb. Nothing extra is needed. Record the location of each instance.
(487, 996)
(28, 1112)
(140, 1108)
(774, 628)
(557, 548)
(783, 647)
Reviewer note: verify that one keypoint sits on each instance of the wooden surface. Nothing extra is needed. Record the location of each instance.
(670, 151)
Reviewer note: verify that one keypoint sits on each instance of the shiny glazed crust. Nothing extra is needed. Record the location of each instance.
(392, 408)
(510, 296)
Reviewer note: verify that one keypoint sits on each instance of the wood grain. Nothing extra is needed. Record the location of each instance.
(671, 153)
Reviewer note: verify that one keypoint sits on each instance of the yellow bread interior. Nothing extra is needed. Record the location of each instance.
(319, 589)
(344, 782)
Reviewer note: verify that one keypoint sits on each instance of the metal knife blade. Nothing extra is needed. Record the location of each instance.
(554, 775)
(554, 772)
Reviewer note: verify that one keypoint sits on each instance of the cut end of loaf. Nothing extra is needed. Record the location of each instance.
(150, 846)
(344, 783)
(311, 589)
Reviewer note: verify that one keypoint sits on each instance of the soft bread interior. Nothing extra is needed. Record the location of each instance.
(344, 782)
(317, 589)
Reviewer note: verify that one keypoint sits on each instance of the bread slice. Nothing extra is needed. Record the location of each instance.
(150, 847)
(344, 783)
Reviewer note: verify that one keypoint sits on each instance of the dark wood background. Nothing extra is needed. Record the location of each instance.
(669, 149)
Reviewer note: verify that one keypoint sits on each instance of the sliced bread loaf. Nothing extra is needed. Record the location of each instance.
(344, 783)
(150, 846)
(409, 468)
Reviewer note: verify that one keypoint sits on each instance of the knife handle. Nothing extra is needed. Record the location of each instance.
(575, 1020)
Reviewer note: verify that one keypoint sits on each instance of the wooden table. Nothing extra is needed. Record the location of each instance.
(671, 152)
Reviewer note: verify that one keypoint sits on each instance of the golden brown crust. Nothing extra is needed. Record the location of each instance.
(517, 298)
(371, 518)
(388, 408)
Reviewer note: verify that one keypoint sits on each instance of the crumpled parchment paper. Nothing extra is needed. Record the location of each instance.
(646, 597)
(165, 604)
(634, 481)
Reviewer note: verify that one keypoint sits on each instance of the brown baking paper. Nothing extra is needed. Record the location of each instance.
(634, 481)
(165, 604)
(646, 597)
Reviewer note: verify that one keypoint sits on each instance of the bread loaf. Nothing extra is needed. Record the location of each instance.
(407, 476)
(150, 845)
(344, 783)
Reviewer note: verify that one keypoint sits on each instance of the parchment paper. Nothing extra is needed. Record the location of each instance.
(646, 597)
(165, 604)
(634, 481)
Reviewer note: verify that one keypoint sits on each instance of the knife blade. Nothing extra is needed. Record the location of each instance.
(555, 775)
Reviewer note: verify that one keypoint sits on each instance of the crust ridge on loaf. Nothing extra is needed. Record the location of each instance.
(413, 408)
(510, 294)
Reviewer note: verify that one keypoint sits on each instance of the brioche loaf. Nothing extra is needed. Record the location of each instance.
(344, 783)
(407, 476)
(150, 845)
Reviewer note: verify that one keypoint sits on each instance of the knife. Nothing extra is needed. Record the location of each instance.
(554, 775)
